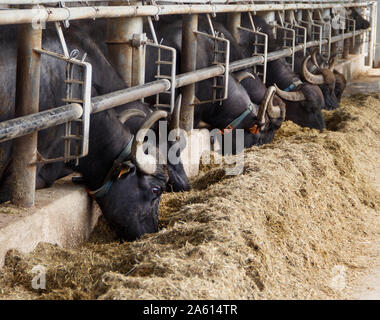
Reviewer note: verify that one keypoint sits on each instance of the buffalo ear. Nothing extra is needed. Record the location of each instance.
(124, 169)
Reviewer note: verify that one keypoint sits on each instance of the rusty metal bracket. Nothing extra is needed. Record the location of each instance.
(221, 56)
(326, 34)
(301, 32)
(289, 38)
(160, 74)
(260, 47)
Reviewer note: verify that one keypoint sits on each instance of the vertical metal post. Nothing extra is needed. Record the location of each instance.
(334, 45)
(233, 24)
(188, 63)
(27, 102)
(346, 48)
(120, 50)
(372, 35)
(138, 60)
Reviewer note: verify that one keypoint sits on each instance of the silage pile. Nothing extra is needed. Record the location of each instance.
(304, 208)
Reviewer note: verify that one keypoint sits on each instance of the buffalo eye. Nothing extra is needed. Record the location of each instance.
(157, 191)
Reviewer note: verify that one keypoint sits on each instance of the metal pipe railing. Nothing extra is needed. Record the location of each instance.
(35, 2)
(117, 98)
(41, 15)
(22, 126)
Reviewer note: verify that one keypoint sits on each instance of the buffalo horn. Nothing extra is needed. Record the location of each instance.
(264, 104)
(275, 112)
(290, 96)
(309, 77)
(332, 62)
(242, 75)
(127, 114)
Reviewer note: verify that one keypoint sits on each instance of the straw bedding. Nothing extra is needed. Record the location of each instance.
(305, 205)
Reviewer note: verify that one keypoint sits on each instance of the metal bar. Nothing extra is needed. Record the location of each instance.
(188, 78)
(21, 126)
(27, 102)
(138, 52)
(18, 2)
(372, 35)
(233, 24)
(346, 48)
(19, 16)
(120, 97)
(120, 32)
(188, 63)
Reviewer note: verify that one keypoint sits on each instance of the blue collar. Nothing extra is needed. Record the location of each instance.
(238, 120)
(313, 68)
(293, 85)
(123, 156)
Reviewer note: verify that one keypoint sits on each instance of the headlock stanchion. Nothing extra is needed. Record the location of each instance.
(260, 47)
(162, 71)
(288, 36)
(300, 32)
(303, 24)
(221, 56)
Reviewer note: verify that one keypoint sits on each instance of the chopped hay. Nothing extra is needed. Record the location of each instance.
(304, 208)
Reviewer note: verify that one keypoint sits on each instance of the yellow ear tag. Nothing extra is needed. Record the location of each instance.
(122, 172)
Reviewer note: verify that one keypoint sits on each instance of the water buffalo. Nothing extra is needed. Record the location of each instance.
(255, 88)
(340, 79)
(220, 115)
(304, 101)
(127, 190)
(330, 82)
(133, 117)
(360, 22)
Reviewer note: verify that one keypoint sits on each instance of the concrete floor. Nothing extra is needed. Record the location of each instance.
(366, 83)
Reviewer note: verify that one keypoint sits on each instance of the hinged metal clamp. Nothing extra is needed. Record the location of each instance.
(163, 72)
(260, 47)
(76, 132)
(221, 56)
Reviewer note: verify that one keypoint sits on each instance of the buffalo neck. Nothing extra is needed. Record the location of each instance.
(281, 74)
(108, 138)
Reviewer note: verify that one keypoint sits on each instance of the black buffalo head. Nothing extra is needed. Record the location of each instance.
(325, 80)
(126, 183)
(340, 80)
(269, 112)
(360, 22)
(304, 106)
(340, 85)
(133, 117)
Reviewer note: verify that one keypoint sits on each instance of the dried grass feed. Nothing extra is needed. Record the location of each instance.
(302, 211)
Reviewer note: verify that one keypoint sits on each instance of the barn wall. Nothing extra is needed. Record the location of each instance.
(377, 54)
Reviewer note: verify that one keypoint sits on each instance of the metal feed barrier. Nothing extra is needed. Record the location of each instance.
(297, 21)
